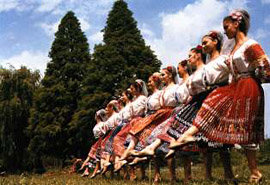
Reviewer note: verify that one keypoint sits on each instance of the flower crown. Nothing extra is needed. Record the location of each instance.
(199, 48)
(169, 68)
(139, 82)
(155, 78)
(236, 15)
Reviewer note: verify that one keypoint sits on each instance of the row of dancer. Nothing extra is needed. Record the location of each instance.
(217, 106)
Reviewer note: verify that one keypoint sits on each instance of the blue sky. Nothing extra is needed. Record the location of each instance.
(170, 27)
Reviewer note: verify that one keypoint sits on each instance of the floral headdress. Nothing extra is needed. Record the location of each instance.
(215, 35)
(236, 15)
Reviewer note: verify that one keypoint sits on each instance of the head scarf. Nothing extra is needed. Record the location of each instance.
(143, 86)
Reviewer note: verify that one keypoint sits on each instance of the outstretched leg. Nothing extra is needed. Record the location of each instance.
(185, 138)
(131, 147)
(150, 149)
(97, 168)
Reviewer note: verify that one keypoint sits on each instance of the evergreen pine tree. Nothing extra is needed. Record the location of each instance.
(16, 94)
(122, 58)
(122, 34)
(57, 99)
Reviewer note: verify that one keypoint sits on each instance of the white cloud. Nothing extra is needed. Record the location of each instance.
(265, 1)
(50, 29)
(83, 8)
(146, 31)
(96, 38)
(80, 7)
(30, 59)
(84, 24)
(184, 29)
(8, 5)
(47, 6)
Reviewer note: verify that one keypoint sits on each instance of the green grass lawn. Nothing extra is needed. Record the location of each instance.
(62, 177)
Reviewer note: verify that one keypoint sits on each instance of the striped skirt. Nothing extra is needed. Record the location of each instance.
(120, 138)
(103, 151)
(94, 153)
(144, 126)
(233, 113)
(115, 131)
(182, 120)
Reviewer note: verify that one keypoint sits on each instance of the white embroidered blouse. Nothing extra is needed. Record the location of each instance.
(153, 101)
(168, 98)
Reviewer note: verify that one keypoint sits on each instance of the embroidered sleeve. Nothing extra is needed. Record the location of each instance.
(255, 55)
(182, 93)
(140, 107)
(215, 73)
(99, 130)
(195, 83)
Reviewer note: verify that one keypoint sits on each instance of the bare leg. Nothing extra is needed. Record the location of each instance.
(107, 160)
(86, 172)
(208, 160)
(137, 160)
(226, 160)
(187, 168)
(252, 164)
(132, 174)
(125, 175)
(170, 154)
(96, 170)
(118, 164)
(157, 177)
(185, 138)
(85, 162)
(131, 146)
(142, 170)
(116, 159)
(112, 173)
(171, 165)
(150, 149)
(102, 161)
(106, 164)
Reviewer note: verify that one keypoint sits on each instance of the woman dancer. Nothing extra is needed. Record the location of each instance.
(92, 157)
(104, 131)
(233, 114)
(137, 109)
(143, 126)
(168, 101)
(147, 123)
(211, 45)
(111, 125)
(130, 111)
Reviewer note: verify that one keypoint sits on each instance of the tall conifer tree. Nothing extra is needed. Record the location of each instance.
(16, 94)
(122, 58)
(57, 99)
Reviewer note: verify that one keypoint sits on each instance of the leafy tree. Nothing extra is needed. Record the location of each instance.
(16, 93)
(57, 99)
(122, 58)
